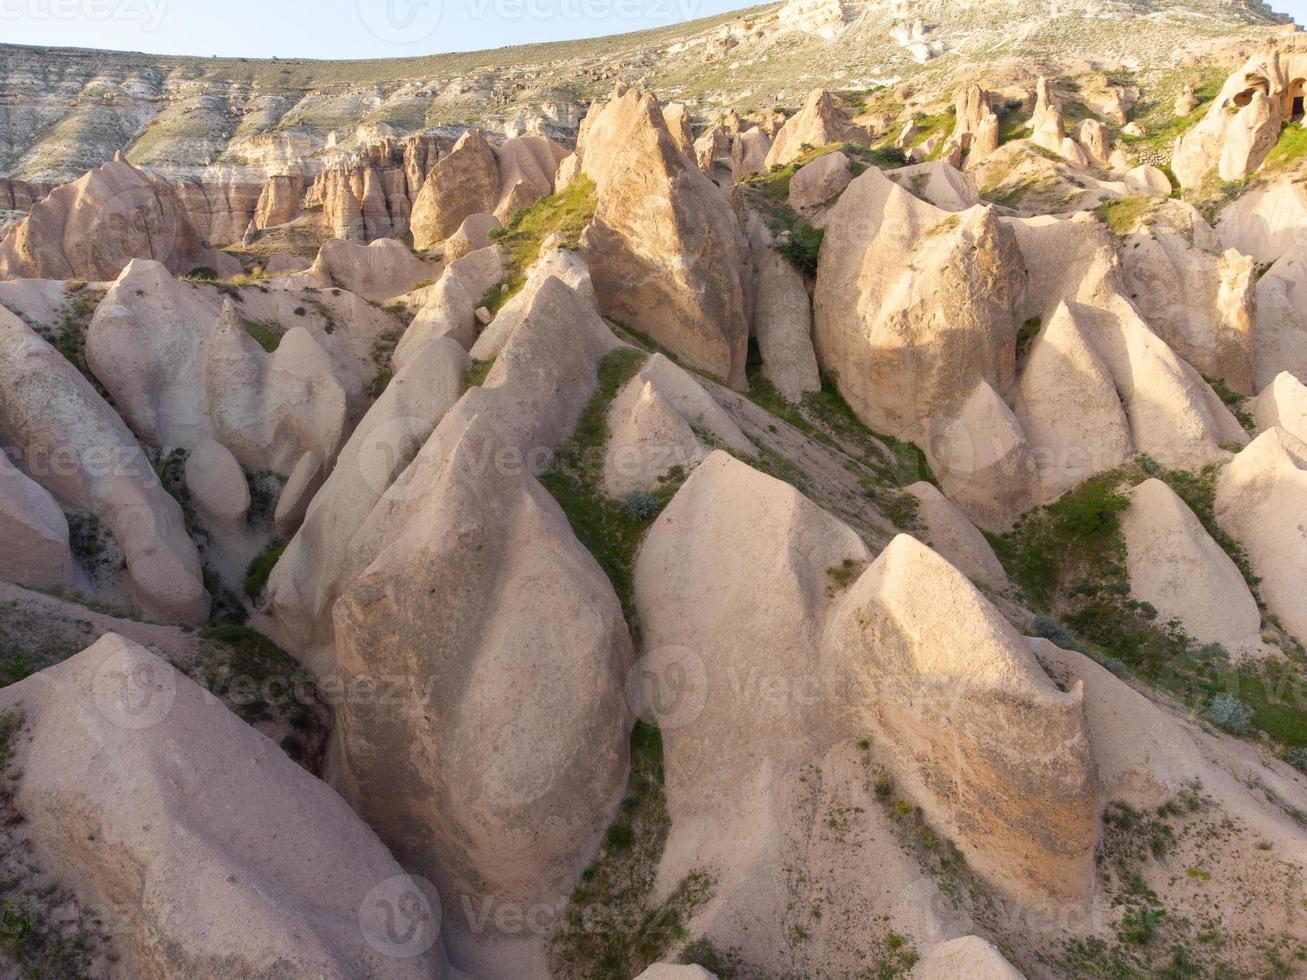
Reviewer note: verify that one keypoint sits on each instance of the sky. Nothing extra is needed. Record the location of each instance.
(334, 28)
(348, 28)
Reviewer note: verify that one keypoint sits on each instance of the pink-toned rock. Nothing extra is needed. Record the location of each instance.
(820, 181)
(90, 229)
(527, 168)
(33, 532)
(665, 249)
(472, 234)
(463, 182)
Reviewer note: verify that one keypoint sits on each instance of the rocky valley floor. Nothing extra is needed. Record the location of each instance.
(822, 493)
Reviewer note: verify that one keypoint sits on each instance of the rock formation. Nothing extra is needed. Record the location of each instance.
(74, 445)
(665, 249)
(1196, 297)
(33, 532)
(1175, 566)
(820, 181)
(463, 182)
(180, 372)
(905, 365)
(1259, 500)
(821, 120)
(495, 796)
(1282, 403)
(207, 848)
(975, 134)
(91, 228)
(1243, 122)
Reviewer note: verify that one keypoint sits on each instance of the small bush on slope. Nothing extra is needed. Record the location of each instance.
(1069, 560)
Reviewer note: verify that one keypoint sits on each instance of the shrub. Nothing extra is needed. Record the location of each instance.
(642, 505)
(1297, 757)
(1228, 712)
(203, 273)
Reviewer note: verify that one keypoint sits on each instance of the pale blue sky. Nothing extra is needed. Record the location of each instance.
(347, 28)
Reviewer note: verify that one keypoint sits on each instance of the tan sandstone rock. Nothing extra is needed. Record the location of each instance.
(1174, 565)
(217, 484)
(472, 234)
(378, 271)
(90, 229)
(1198, 299)
(33, 532)
(821, 121)
(1282, 403)
(527, 168)
(449, 307)
(665, 249)
(654, 424)
(782, 319)
(497, 793)
(80, 451)
(820, 181)
(1260, 499)
(463, 182)
(209, 850)
(948, 532)
(967, 956)
(914, 314)
(324, 556)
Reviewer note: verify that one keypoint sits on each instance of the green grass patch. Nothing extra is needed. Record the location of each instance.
(268, 335)
(1124, 214)
(612, 929)
(1290, 150)
(256, 577)
(609, 529)
(476, 373)
(1069, 561)
(567, 213)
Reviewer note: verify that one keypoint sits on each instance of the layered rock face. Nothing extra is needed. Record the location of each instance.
(78, 449)
(372, 194)
(91, 228)
(665, 249)
(138, 791)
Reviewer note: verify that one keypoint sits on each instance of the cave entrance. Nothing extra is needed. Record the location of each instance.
(1297, 92)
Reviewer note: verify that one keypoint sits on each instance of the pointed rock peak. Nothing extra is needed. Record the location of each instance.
(118, 157)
